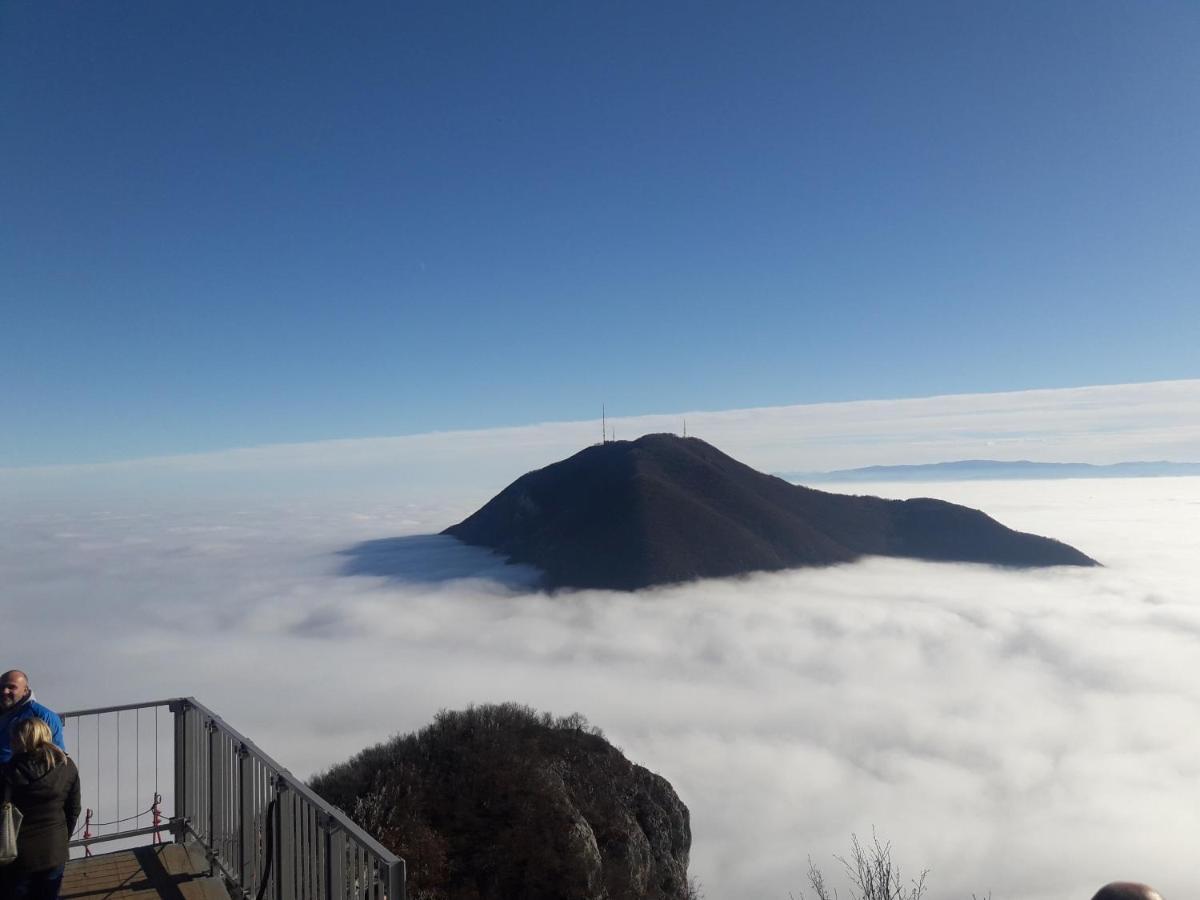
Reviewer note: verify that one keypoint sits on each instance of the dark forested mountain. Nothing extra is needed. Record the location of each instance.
(498, 802)
(629, 514)
(996, 470)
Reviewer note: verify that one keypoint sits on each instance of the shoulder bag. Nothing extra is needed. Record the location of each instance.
(10, 824)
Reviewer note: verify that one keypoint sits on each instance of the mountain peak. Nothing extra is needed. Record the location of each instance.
(663, 509)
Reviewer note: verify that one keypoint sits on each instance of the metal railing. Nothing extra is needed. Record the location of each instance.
(262, 828)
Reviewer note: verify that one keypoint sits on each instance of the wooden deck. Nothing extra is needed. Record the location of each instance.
(167, 871)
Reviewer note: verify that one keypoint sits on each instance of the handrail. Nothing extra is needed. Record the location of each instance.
(224, 788)
(300, 787)
(100, 710)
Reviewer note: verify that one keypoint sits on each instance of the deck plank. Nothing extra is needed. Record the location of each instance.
(167, 871)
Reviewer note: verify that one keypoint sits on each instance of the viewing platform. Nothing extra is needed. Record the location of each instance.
(168, 871)
(195, 811)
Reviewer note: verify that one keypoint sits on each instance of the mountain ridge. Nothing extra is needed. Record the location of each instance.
(662, 509)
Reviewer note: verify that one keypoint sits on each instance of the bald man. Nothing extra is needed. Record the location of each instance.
(17, 704)
(1126, 890)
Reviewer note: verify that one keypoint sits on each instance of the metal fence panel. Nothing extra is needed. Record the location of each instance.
(175, 767)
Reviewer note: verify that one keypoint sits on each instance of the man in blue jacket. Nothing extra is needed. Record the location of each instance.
(16, 704)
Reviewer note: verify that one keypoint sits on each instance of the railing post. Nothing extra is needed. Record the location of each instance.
(178, 823)
(245, 813)
(396, 881)
(337, 865)
(211, 836)
(277, 844)
(284, 839)
(325, 821)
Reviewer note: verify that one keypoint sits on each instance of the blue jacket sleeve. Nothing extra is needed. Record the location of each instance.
(56, 729)
(51, 718)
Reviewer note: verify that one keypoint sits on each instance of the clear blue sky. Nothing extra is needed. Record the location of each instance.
(233, 223)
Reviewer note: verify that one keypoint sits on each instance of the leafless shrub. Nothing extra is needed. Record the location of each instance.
(872, 874)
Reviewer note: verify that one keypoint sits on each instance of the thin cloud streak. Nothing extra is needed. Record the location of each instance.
(1100, 424)
(1032, 734)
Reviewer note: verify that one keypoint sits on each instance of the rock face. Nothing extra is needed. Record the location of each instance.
(499, 802)
(630, 514)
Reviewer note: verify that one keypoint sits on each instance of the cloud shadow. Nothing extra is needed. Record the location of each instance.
(433, 559)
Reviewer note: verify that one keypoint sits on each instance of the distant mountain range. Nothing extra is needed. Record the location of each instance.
(994, 470)
(663, 509)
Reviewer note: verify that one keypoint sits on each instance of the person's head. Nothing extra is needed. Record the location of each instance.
(33, 736)
(14, 687)
(1126, 890)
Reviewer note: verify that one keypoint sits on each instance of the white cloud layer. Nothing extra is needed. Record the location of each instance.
(1103, 424)
(1032, 734)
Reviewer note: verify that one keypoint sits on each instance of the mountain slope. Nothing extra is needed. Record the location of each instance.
(663, 509)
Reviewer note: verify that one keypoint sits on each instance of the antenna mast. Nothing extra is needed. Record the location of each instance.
(603, 424)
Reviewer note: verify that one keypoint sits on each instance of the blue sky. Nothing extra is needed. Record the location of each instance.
(230, 224)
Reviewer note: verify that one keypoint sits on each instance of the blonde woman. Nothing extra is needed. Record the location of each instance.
(44, 785)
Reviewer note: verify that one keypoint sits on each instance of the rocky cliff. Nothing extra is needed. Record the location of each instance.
(498, 802)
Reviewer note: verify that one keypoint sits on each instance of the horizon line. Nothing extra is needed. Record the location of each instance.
(255, 449)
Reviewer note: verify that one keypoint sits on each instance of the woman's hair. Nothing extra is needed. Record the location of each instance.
(33, 736)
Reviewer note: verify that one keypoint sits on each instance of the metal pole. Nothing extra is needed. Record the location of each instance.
(178, 823)
(243, 815)
(338, 867)
(211, 837)
(326, 825)
(277, 864)
(286, 841)
(396, 880)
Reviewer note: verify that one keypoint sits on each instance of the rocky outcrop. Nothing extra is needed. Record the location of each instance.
(498, 802)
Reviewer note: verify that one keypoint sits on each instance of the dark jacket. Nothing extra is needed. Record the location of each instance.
(49, 800)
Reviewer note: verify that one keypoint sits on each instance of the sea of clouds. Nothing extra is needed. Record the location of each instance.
(1029, 734)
